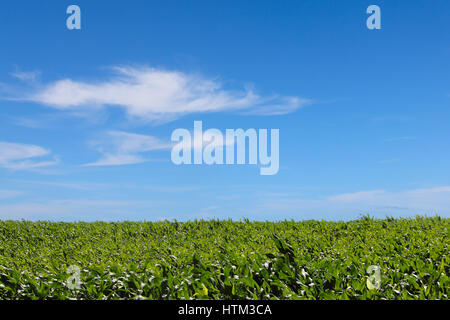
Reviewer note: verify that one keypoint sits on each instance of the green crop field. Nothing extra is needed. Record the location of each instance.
(226, 259)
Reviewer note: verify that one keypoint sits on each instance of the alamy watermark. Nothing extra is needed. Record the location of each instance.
(373, 282)
(236, 146)
(73, 22)
(373, 22)
(74, 281)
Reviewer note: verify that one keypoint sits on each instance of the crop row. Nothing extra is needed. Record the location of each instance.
(225, 259)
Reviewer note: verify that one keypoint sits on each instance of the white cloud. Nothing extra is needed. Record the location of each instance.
(30, 76)
(17, 156)
(28, 123)
(121, 148)
(75, 209)
(5, 194)
(378, 203)
(357, 196)
(154, 94)
(431, 199)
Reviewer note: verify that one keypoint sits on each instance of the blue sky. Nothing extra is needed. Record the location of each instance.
(363, 114)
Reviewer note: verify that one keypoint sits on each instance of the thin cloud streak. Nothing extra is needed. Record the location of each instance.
(16, 156)
(123, 148)
(380, 203)
(6, 194)
(31, 76)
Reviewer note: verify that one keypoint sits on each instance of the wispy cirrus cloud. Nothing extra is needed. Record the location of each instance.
(357, 196)
(6, 194)
(16, 156)
(423, 201)
(26, 76)
(414, 197)
(379, 203)
(28, 123)
(76, 209)
(123, 148)
(155, 94)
